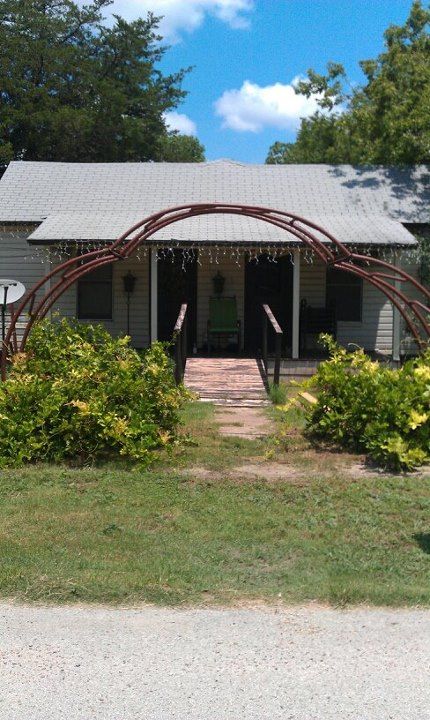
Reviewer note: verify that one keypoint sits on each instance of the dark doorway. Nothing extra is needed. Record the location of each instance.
(272, 283)
(177, 283)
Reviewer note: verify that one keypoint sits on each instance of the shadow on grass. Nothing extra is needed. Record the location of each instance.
(423, 541)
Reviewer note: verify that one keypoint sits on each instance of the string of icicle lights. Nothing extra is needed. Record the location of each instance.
(410, 255)
(216, 254)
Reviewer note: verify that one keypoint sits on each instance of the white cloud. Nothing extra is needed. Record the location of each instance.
(186, 15)
(180, 122)
(253, 108)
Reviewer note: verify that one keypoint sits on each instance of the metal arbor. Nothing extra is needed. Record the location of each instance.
(388, 278)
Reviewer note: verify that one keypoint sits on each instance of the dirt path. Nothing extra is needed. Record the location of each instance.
(245, 422)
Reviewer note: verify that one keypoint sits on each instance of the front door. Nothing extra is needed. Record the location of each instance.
(177, 284)
(272, 283)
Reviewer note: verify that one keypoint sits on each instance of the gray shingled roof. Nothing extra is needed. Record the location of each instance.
(217, 229)
(97, 199)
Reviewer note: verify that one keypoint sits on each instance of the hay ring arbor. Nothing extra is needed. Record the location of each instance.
(389, 279)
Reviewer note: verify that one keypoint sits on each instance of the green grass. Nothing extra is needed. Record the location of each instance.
(120, 535)
(278, 393)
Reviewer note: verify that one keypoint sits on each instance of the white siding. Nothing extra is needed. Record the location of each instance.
(375, 331)
(20, 261)
(234, 285)
(66, 306)
(312, 283)
(407, 345)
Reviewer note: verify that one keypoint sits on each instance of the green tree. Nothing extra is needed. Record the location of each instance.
(321, 138)
(180, 148)
(384, 121)
(74, 88)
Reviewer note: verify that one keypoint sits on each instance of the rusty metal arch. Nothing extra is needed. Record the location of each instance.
(383, 275)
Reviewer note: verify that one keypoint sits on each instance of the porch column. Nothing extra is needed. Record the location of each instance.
(154, 295)
(296, 305)
(396, 317)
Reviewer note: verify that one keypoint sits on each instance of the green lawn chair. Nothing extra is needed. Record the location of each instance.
(223, 321)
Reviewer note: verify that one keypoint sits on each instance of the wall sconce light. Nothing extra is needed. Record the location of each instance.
(129, 282)
(218, 283)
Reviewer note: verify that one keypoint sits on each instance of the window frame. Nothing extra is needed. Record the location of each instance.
(358, 283)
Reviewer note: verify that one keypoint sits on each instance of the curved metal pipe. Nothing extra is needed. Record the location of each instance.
(299, 227)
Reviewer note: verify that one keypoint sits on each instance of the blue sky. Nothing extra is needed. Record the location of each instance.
(246, 54)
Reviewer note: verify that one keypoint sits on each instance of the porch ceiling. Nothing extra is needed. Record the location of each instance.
(217, 229)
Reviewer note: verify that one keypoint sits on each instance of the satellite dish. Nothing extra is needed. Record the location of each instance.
(10, 291)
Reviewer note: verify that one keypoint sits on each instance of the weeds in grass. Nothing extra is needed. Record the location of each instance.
(278, 393)
(115, 535)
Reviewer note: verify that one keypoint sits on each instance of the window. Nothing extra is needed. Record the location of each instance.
(95, 295)
(345, 291)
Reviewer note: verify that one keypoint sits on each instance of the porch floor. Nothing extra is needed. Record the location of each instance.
(295, 369)
(226, 381)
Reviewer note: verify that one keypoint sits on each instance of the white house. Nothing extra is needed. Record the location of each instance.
(49, 211)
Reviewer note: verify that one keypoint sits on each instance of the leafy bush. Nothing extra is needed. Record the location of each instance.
(79, 394)
(368, 407)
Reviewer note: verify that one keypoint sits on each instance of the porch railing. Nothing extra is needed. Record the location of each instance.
(180, 342)
(269, 320)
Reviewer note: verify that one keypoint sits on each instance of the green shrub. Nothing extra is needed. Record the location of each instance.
(368, 407)
(79, 394)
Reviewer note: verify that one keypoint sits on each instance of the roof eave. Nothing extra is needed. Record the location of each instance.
(236, 243)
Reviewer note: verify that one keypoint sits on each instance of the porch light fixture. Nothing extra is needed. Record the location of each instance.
(218, 282)
(129, 282)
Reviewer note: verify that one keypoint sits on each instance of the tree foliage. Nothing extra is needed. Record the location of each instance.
(74, 88)
(384, 121)
(180, 148)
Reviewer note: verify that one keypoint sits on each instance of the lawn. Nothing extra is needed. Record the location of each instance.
(115, 534)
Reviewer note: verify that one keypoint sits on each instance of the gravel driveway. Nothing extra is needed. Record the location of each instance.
(243, 664)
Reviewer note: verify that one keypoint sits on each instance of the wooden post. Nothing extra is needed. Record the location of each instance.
(178, 358)
(264, 342)
(277, 368)
(275, 327)
(154, 295)
(296, 306)
(184, 347)
(180, 339)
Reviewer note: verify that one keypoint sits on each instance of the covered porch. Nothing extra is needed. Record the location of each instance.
(243, 278)
(291, 281)
(276, 281)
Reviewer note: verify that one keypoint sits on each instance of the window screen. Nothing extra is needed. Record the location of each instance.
(95, 295)
(345, 292)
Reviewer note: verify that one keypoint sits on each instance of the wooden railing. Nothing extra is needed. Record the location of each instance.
(268, 317)
(180, 341)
